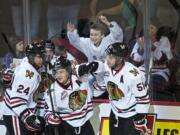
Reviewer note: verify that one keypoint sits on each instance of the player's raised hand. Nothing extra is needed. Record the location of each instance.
(70, 27)
(104, 20)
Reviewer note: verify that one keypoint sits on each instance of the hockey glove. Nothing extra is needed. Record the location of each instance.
(32, 123)
(53, 119)
(92, 67)
(7, 76)
(82, 70)
(140, 123)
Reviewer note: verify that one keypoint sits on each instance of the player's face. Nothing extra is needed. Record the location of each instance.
(49, 53)
(38, 60)
(111, 60)
(96, 36)
(62, 76)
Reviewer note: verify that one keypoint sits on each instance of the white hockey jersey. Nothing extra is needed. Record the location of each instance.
(24, 87)
(161, 48)
(73, 104)
(127, 93)
(92, 52)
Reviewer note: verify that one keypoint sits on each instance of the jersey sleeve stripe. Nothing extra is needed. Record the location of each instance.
(146, 95)
(76, 118)
(89, 107)
(14, 98)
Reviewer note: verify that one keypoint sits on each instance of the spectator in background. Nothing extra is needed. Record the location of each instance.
(19, 52)
(161, 55)
(131, 11)
(123, 7)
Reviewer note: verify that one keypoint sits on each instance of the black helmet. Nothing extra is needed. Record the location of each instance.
(118, 49)
(63, 63)
(33, 49)
(48, 44)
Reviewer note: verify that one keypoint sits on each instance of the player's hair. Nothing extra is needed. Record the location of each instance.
(100, 27)
(60, 50)
(63, 63)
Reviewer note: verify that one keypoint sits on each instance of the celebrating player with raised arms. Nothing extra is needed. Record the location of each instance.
(94, 47)
(72, 106)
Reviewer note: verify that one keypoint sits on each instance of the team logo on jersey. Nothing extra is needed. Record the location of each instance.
(134, 72)
(114, 92)
(122, 46)
(77, 99)
(29, 74)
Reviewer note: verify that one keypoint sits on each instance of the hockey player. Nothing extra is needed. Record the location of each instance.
(72, 102)
(50, 57)
(18, 107)
(94, 47)
(128, 95)
(49, 49)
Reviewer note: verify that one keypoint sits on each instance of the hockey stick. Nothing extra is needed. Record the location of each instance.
(49, 89)
(50, 94)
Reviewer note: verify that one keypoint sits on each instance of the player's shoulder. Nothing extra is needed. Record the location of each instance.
(26, 70)
(77, 82)
(74, 78)
(85, 39)
(131, 71)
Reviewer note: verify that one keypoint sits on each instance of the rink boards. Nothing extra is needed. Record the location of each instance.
(163, 118)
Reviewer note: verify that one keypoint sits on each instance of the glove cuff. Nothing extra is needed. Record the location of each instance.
(25, 114)
(53, 119)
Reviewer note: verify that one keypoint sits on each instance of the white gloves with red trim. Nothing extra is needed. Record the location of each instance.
(53, 119)
(140, 123)
(31, 121)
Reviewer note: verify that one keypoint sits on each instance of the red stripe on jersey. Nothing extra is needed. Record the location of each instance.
(56, 121)
(144, 99)
(14, 102)
(78, 114)
(15, 124)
